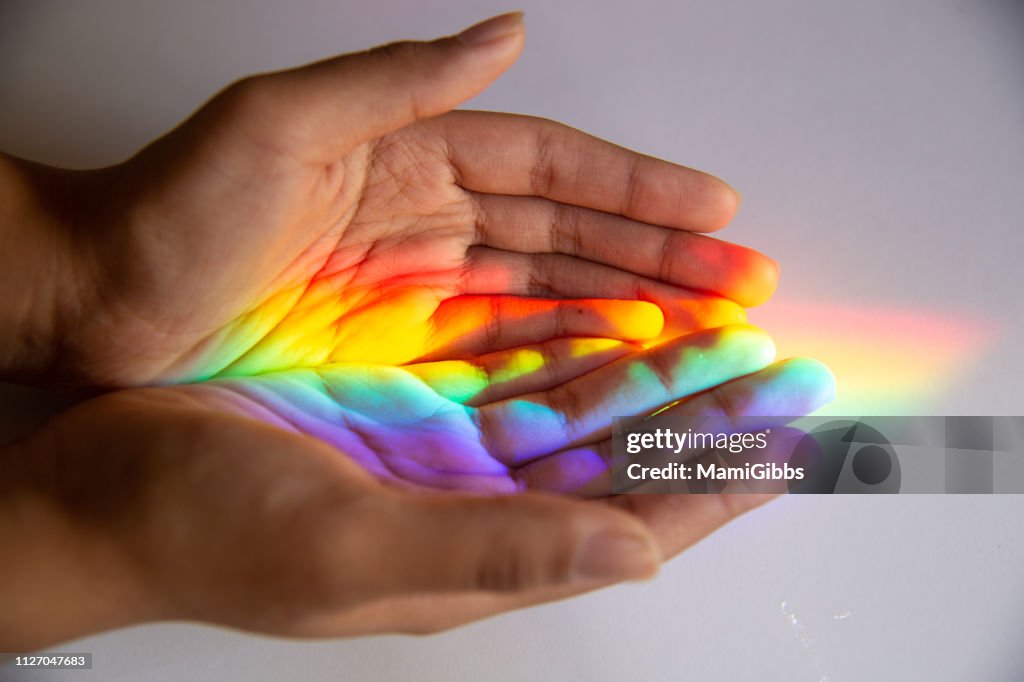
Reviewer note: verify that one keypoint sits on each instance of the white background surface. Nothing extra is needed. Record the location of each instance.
(879, 146)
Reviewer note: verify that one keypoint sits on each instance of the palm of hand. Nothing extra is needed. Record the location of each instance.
(208, 487)
(385, 259)
(301, 261)
(285, 259)
(527, 419)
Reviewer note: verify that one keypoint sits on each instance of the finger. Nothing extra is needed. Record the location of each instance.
(535, 225)
(468, 326)
(584, 471)
(329, 107)
(501, 375)
(675, 521)
(429, 612)
(398, 544)
(685, 310)
(521, 155)
(790, 388)
(577, 413)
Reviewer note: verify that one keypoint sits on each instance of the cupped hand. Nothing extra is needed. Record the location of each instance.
(531, 418)
(340, 501)
(336, 213)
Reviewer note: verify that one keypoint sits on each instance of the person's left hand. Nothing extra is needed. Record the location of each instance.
(340, 501)
(531, 418)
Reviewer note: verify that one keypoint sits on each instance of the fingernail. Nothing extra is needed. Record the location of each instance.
(492, 30)
(611, 557)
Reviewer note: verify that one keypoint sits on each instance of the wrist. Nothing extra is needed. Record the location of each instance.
(61, 577)
(42, 227)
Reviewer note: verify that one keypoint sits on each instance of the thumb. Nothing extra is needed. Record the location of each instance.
(339, 103)
(418, 544)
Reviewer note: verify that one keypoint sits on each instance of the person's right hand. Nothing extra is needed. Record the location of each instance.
(335, 502)
(331, 213)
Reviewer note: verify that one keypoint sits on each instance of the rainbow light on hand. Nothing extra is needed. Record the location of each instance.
(317, 327)
(528, 418)
(396, 376)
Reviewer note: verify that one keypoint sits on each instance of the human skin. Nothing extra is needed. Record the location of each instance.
(333, 223)
(337, 213)
(243, 502)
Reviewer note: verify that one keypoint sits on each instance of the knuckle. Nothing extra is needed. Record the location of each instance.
(494, 326)
(565, 229)
(664, 370)
(631, 194)
(499, 574)
(542, 170)
(252, 93)
(510, 567)
(401, 51)
(570, 409)
(555, 364)
(563, 319)
(670, 250)
(724, 404)
(539, 278)
(259, 111)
